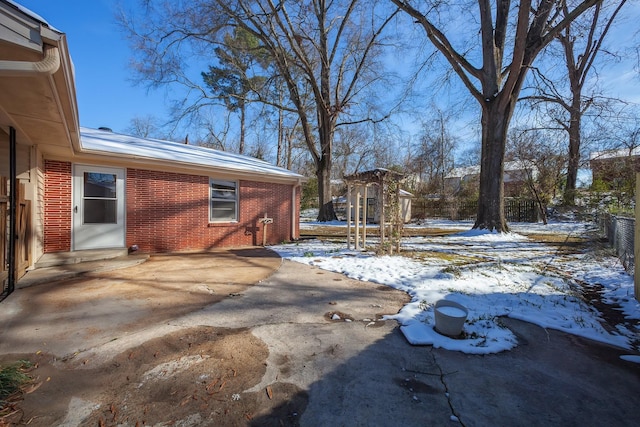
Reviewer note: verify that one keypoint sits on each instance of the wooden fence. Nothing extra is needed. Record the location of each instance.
(516, 210)
(23, 238)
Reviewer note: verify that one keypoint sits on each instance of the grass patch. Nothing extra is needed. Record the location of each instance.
(567, 244)
(373, 230)
(455, 259)
(13, 378)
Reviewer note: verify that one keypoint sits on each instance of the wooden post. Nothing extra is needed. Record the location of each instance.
(364, 220)
(23, 236)
(357, 215)
(265, 222)
(399, 218)
(348, 215)
(381, 197)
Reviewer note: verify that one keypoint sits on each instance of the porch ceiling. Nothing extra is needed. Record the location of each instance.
(41, 106)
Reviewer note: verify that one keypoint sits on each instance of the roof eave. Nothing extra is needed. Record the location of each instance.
(26, 39)
(189, 167)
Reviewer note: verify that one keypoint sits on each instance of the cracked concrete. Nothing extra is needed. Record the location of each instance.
(455, 416)
(364, 373)
(551, 378)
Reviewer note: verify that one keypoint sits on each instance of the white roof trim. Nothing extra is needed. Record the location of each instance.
(94, 141)
(614, 154)
(511, 166)
(30, 13)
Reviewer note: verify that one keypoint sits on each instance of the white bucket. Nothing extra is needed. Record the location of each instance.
(450, 317)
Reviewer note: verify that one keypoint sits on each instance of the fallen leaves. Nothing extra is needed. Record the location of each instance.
(269, 392)
(33, 387)
(211, 387)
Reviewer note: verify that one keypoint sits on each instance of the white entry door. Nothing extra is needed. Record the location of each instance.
(98, 208)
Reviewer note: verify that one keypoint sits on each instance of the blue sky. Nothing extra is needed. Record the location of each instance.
(106, 95)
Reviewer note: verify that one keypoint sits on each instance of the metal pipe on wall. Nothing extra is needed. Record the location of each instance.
(12, 210)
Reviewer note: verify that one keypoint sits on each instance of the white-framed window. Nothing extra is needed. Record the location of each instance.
(223, 201)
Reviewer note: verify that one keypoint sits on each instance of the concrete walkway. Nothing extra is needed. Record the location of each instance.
(354, 373)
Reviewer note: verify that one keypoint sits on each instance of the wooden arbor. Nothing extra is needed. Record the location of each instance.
(386, 206)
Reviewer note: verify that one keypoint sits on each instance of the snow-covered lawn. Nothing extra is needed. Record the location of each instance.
(492, 275)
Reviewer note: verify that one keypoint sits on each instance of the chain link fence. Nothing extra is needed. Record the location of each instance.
(620, 232)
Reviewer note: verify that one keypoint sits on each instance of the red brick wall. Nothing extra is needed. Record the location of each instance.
(57, 206)
(608, 170)
(170, 212)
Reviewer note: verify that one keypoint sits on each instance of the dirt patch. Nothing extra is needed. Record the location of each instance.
(114, 348)
(199, 376)
(338, 316)
(103, 306)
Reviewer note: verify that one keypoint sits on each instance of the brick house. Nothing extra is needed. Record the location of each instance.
(612, 166)
(76, 188)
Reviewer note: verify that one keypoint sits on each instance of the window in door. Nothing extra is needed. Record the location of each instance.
(100, 198)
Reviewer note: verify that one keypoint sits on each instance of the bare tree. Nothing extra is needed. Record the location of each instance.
(276, 118)
(621, 130)
(215, 137)
(144, 127)
(581, 42)
(542, 165)
(318, 47)
(627, 133)
(470, 156)
(353, 151)
(511, 35)
(435, 150)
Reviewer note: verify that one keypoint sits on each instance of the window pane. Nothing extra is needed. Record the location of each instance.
(100, 211)
(223, 211)
(99, 185)
(223, 190)
(224, 200)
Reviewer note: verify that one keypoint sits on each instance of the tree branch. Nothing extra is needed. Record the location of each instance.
(458, 62)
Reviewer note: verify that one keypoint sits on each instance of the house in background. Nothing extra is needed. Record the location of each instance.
(614, 166)
(516, 174)
(68, 188)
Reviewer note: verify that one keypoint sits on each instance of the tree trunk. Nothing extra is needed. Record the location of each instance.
(242, 129)
(575, 114)
(495, 123)
(325, 201)
(289, 149)
(280, 138)
(323, 169)
(326, 129)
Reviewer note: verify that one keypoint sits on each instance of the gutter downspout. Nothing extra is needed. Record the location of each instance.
(48, 65)
(293, 210)
(13, 199)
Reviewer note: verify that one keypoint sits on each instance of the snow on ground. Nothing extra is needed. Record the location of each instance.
(492, 275)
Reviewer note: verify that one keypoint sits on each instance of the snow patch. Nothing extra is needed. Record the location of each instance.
(493, 275)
